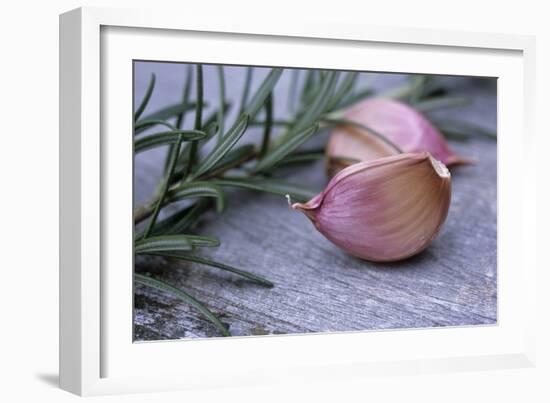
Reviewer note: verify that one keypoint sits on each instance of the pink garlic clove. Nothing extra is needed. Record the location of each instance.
(383, 210)
(401, 124)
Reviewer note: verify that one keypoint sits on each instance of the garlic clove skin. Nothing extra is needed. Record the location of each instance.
(398, 122)
(384, 210)
(348, 145)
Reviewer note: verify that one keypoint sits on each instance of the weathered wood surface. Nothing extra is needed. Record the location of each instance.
(318, 287)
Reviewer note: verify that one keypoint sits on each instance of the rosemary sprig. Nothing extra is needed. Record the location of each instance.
(268, 185)
(292, 89)
(181, 220)
(222, 102)
(285, 148)
(170, 111)
(198, 120)
(267, 125)
(167, 138)
(146, 97)
(222, 266)
(184, 296)
(263, 92)
(432, 104)
(462, 128)
(180, 118)
(246, 89)
(173, 158)
(198, 189)
(146, 124)
(225, 144)
(345, 88)
(173, 243)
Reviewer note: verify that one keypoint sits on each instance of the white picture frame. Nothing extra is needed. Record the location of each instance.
(96, 354)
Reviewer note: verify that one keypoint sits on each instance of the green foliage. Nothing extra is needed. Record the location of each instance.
(166, 138)
(268, 185)
(224, 146)
(173, 243)
(170, 111)
(222, 266)
(285, 148)
(184, 296)
(146, 98)
(198, 189)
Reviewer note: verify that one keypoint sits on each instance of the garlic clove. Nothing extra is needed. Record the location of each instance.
(401, 124)
(383, 210)
(348, 145)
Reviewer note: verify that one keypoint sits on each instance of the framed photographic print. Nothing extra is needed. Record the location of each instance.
(229, 193)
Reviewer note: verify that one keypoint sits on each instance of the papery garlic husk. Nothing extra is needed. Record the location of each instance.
(383, 210)
(401, 124)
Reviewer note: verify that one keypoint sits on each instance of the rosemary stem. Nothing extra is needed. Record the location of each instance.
(267, 125)
(185, 97)
(146, 98)
(222, 103)
(198, 121)
(181, 116)
(246, 90)
(292, 89)
(173, 158)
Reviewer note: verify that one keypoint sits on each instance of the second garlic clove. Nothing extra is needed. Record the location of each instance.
(400, 123)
